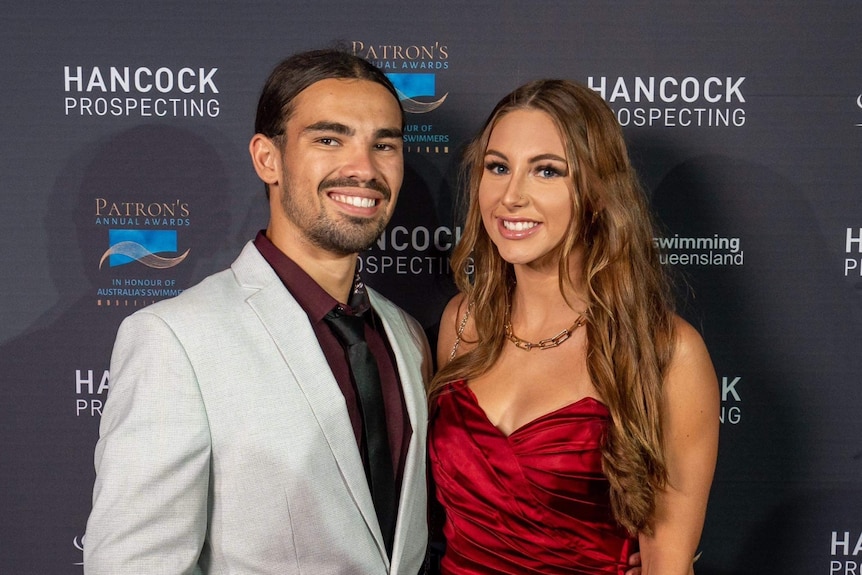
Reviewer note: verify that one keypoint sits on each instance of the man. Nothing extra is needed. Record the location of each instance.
(238, 436)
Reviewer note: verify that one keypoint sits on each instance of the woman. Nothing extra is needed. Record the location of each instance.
(575, 415)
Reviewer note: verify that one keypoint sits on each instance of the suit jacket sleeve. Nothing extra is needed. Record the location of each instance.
(152, 460)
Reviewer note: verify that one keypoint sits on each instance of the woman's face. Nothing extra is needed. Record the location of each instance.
(525, 190)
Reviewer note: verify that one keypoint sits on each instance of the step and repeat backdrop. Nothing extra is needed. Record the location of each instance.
(130, 122)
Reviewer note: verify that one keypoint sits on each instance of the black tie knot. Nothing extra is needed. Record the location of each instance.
(350, 329)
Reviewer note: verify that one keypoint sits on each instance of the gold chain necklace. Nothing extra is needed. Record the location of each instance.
(543, 343)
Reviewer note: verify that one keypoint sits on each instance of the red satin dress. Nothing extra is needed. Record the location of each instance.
(535, 501)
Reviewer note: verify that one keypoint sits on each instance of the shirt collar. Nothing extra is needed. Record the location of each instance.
(311, 297)
(359, 301)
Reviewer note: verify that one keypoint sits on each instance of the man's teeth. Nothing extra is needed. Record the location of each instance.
(518, 226)
(354, 201)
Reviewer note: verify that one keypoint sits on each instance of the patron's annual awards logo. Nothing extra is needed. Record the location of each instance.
(416, 71)
(143, 247)
(674, 101)
(140, 92)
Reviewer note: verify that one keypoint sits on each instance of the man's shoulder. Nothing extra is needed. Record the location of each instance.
(215, 294)
(198, 301)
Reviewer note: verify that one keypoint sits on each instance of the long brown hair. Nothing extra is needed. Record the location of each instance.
(630, 315)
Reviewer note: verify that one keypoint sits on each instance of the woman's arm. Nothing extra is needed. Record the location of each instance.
(691, 412)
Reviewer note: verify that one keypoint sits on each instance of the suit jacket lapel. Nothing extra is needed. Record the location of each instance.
(413, 369)
(290, 329)
(409, 363)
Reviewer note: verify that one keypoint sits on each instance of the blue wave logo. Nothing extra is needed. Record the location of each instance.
(410, 86)
(127, 246)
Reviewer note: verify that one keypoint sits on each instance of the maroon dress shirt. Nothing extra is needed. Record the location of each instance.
(317, 303)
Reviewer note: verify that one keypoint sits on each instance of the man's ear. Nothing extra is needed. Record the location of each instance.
(266, 158)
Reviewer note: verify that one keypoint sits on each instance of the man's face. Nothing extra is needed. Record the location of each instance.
(341, 167)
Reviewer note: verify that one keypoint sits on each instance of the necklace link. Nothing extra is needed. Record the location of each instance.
(546, 343)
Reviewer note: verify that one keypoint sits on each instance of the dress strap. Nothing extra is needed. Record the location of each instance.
(461, 327)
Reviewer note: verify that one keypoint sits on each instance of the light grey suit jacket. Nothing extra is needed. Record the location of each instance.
(225, 444)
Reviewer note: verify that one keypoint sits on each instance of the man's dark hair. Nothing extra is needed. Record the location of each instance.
(300, 71)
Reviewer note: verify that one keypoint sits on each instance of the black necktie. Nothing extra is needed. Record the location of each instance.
(350, 330)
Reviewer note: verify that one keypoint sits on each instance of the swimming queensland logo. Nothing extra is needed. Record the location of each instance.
(700, 251)
(413, 70)
(143, 250)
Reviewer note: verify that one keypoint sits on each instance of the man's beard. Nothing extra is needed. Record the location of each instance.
(344, 236)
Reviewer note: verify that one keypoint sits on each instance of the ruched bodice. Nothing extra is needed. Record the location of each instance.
(535, 501)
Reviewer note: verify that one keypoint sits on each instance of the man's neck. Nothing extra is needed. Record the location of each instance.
(332, 272)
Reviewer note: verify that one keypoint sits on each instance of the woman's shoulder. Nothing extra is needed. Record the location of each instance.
(455, 306)
(688, 342)
(691, 377)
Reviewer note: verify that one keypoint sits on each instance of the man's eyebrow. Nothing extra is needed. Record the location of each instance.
(334, 127)
(345, 130)
(390, 133)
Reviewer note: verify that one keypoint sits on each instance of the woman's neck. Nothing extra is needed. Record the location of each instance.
(537, 302)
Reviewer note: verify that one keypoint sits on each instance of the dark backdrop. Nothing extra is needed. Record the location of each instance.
(131, 121)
